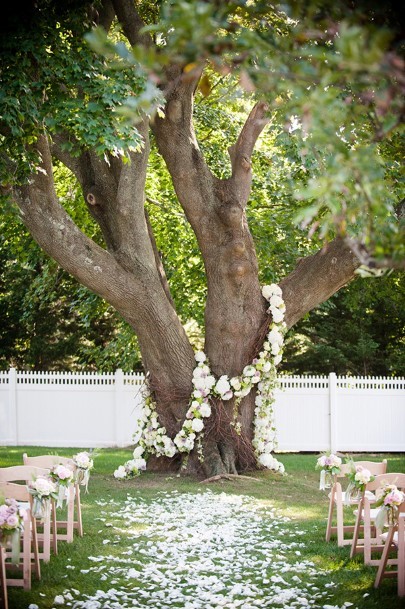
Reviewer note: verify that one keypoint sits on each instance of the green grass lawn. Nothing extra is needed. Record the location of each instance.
(295, 495)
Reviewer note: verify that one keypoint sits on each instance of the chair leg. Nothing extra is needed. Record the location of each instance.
(27, 554)
(70, 514)
(330, 515)
(384, 558)
(54, 528)
(3, 579)
(356, 531)
(401, 556)
(79, 511)
(339, 523)
(34, 535)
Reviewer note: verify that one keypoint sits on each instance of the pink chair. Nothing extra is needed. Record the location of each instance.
(394, 541)
(73, 498)
(337, 501)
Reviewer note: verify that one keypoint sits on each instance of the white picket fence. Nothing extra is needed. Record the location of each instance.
(313, 413)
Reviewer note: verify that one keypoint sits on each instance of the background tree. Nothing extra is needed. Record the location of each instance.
(61, 101)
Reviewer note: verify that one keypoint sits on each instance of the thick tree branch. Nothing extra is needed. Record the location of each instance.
(131, 22)
(241, 152)
(71, 162)
(106, 14)
(316, 278)
(137, 295)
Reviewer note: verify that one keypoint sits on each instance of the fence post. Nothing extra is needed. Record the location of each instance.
(333, 411)
(13, 406)
(118, 401)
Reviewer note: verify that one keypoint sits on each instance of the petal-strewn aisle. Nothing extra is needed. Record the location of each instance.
(199, 551)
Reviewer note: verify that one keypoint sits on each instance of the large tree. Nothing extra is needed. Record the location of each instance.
(59, 100)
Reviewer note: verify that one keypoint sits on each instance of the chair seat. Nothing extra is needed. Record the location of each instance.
(373, 513)
(370, 496)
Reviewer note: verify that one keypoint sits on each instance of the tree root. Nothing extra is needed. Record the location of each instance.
(228, 477)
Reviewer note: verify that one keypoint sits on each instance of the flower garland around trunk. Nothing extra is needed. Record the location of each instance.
(260, 374)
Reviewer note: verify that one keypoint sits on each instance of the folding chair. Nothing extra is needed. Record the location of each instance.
(3, 579)
(338, 499)
(29, 553)
(394, 540)
(25, 474)
(371, 541)
(73, 496)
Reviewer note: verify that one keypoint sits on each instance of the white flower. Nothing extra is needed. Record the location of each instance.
(197, 425)
(43, 486)
(200, 383)
(249, 371)
(258, 400)
(275, 349)
(235, 383)
(277, 315)
(120, 473)
(266, 460)
(83, 460)
(266, 367)
(276, 301)
(277, 359)
(200, 356)
(274, 336)
(210, 382)
(223, 386)
(205, 409)
(59, 600)
(138, 452)
(363, 476)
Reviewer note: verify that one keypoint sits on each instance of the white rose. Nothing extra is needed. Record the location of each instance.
(266, 367)
(200, 356)
(275, 349)
(249, 371)
(266, 460)
(267, 292)
(199, 383)
(197, 425)
(120, 472)
(235, 382)
(276, 301)
(277, 359)
(274, 336)
(222, 385)
(258, 400)
(210, 382)
(205, 410)
(277, 315)
(138, 452)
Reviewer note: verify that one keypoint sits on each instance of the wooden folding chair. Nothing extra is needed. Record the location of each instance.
(394, 540)
(365, 520)
(29, 555)
(73, 498)
(337, 500)
(3, 579)
(25, 474)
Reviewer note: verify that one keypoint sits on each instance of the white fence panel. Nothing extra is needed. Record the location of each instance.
(302, 414)
(89, 410)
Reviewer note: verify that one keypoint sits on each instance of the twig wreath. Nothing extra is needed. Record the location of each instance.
(261, 373)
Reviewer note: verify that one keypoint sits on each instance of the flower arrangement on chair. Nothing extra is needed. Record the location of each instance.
(84, 464)
(11, 525)
(390, 497)
(329, 465)
(62, 476)
(359, 477)
(43, 490)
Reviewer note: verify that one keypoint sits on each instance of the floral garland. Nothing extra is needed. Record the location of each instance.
(261, 373)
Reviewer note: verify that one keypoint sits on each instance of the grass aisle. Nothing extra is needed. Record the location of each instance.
(160, 542)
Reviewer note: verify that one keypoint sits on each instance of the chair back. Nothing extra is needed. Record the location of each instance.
(10, 490)
(374, 467)
(393, 478)
(23, 473)
(48, 461)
